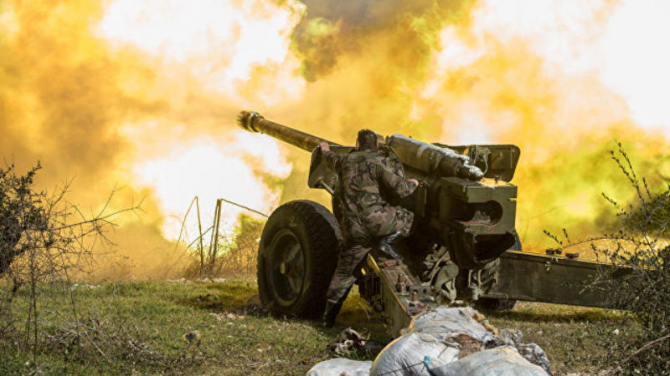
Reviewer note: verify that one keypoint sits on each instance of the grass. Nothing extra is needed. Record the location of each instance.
(574, 338)
(240, 339)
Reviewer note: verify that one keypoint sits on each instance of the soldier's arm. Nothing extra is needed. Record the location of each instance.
(331, 158)
(394, 179)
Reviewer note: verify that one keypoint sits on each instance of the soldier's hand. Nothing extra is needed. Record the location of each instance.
(416, 182)
(324, 146)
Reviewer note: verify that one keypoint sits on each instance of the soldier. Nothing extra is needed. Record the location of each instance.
(369, 179)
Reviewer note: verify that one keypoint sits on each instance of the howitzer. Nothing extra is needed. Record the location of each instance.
(464, 247)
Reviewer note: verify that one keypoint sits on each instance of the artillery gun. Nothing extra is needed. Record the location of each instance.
(465, 245)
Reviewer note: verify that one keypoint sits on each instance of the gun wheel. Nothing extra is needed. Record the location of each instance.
(297, 258)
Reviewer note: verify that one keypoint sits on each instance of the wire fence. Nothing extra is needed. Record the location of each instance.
(217, 251)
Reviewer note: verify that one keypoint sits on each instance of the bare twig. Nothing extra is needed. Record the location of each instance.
(646, 347)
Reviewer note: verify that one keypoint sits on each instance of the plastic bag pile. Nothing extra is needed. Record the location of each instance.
(446, 342)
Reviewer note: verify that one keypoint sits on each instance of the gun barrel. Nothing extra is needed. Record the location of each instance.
(255, 122)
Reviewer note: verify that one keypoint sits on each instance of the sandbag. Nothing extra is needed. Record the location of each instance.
(341, 367)
(435, 340)
(444, 322)
(500, 361)
(534, 354)
(405, 355)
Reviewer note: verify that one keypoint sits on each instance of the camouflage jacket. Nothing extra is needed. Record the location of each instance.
(368, 181)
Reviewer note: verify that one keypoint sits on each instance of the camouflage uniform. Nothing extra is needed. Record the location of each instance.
(369, 180)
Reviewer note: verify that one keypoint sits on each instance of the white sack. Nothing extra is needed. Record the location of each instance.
(341, 367)
(404, 356)
(444, 322)
(500, 361)
(534, 354)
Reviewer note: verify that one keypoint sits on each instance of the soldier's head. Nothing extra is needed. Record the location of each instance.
(367, 140)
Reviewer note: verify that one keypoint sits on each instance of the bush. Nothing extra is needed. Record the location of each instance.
(19, 213)
(44, 240)
(640, 283)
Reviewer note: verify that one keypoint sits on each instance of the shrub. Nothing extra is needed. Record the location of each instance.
(44, 240)
(640, 283)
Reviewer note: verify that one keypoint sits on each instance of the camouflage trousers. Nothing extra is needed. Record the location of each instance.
(377, 222)
(360, 234)
(350, 261)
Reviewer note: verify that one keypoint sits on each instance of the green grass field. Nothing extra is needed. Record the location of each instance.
(137, 328)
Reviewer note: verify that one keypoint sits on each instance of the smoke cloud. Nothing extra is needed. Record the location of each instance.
(538, 74)
(103, 94)
(143, 95)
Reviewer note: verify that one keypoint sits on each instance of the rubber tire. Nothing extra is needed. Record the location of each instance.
(500, 305)
(319, 236)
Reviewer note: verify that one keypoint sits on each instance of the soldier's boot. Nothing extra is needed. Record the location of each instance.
(393, 244)
(332, 310)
